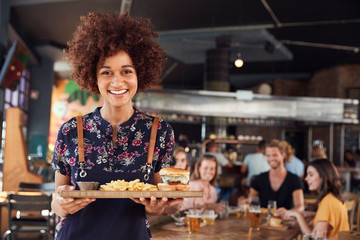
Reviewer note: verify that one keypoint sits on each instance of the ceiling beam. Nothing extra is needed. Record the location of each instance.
(33, 2)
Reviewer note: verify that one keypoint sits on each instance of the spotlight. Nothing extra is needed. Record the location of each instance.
(238, 61)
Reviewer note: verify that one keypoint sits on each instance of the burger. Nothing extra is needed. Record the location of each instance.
(174, 179)
(275, 221)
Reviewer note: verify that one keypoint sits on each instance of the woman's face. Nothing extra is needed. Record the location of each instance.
(181, 160)
(313, 179)
(207, 170)
(117, 80)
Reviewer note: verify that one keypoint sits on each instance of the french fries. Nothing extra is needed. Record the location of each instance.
(122, 185)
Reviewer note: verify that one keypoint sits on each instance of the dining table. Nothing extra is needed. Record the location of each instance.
(229, 228)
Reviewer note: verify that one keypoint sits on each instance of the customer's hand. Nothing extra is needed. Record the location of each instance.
(290, 214)
(66, 206)
(281, 212)
(171, 209)
(217, 207)
(243, 200)
(154, 206)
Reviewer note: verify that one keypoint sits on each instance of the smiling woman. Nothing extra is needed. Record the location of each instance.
(203, 179)
(116, 56)
(331, 215)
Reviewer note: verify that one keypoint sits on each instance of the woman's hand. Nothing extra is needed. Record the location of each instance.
(65, 206)
(290, 214)
(243, 200)
(217, 207)
(154, 206)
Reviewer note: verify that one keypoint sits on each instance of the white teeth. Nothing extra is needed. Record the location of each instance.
(118, 92)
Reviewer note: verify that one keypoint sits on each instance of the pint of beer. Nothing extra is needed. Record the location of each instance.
(255, 218)
(194, 223)
(255, 214)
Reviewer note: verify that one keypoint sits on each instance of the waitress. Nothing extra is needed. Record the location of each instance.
(115, 56)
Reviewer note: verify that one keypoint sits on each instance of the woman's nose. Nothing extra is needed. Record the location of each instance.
(117, 80)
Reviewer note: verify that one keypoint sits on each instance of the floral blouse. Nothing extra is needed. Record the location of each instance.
(128, 154)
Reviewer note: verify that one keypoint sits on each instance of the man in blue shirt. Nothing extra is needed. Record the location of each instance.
(294, 165)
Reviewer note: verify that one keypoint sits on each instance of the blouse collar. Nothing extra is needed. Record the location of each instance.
(105, 125)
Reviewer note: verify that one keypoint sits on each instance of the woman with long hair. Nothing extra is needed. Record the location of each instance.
(204, 179)
(180, 159)
(331, 215)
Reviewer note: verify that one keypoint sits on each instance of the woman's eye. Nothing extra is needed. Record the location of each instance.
(127, 71)
(106, 73)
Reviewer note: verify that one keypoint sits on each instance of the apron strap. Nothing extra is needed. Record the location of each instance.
(79, 124)
(152, 141)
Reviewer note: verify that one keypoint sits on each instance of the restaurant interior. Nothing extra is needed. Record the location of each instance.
(298, 80)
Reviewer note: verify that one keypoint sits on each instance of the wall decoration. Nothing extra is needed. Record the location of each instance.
(68, 101)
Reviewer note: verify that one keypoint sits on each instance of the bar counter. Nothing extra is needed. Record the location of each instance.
(225, 229)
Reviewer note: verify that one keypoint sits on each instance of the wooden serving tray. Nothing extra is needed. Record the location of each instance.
(130, 194)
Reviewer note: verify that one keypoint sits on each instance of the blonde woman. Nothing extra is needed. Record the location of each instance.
(204, 179)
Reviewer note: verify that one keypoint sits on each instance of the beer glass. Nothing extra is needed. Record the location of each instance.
(194, 220)
(255, 214)
(241, 210)
(209, 217)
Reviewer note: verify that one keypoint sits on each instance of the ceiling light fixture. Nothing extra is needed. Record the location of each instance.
(238, 61)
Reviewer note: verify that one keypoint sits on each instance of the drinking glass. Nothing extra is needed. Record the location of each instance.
(320, 235)
(194, 220)
(241, 210)
(315, 236)
(271, 209)
(225, 212)
(255, 213)
(209, 217)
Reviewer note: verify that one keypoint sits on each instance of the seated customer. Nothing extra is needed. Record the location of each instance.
(255, 163)
(180, 159)
(331, 215)
(294, 164)
(204, 178)
(278, 184)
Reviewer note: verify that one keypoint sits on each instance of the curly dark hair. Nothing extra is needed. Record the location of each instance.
(331, 182)
(99, 36)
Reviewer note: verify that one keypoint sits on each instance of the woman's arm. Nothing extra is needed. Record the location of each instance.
(65, 206)
(321, 228)
(300, 219)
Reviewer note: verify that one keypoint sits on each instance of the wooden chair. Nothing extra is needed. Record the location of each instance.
(47, 187)
(352, 201)
(38, 219)
(350, 207)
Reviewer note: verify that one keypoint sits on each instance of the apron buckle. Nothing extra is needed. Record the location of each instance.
(148, 169)
(82, 172)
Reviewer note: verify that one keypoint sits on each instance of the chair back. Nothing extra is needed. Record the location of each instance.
(47, 187)
(22, 202)
(32, 210)
(350, 207)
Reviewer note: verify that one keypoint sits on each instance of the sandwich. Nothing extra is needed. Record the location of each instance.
(174, 179)
(275, 221)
